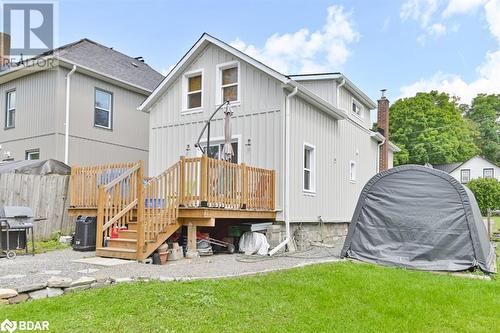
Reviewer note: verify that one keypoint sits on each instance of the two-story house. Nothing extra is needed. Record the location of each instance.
(93, 89)
(314, 130)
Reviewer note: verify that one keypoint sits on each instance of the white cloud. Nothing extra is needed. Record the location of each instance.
(461, 7)
(419, 10)
(304, 51)
(488, 78)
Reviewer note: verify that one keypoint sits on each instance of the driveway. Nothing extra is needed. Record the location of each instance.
(27, 270)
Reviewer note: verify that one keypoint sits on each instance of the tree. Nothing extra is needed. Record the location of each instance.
(429, 128)
(484, 113)
(487, 193)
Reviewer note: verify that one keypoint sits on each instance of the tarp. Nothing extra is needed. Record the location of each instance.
(417, 217)
(35, 167)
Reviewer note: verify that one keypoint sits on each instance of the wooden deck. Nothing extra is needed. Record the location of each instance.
(135, 215)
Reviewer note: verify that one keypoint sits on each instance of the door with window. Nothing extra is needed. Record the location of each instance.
(216, 151)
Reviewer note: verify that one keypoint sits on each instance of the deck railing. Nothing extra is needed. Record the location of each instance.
(122, 195)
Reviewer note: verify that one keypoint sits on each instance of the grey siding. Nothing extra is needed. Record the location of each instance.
(346, 104)
(257, 118)
(337, 143)
(35, 117)
(40, 119)
(326, 89)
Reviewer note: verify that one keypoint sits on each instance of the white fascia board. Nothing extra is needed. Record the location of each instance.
(204, 40)
(377, 136)
(394, 148)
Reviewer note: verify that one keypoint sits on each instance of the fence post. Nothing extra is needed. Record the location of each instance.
(244, 183)
(273, 190)
(489, 222)
(100, 216)
(204, 181)
(141, 207)
(182, 180)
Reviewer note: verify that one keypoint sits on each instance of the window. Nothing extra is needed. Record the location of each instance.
(309, 168)
(352, 171)
(33, 154)
(193, 91)
(103, 109)
(228, 76)
(217, 147)
(357, 108)
(488, 173)
(464, 175)
(10, 110)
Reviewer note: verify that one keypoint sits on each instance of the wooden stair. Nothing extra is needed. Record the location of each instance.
(125, 245)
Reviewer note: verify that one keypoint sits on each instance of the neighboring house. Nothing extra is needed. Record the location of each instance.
(476, 167)
(322, 160)
(105, 90)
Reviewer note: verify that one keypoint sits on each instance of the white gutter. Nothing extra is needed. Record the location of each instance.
(378, 154)
(286, 179)
(66, 124)
(338, 91)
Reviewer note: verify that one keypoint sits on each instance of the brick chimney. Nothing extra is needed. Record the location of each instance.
(4, 49)
(383, 128)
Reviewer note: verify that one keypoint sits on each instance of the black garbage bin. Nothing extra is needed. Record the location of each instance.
(85, 233)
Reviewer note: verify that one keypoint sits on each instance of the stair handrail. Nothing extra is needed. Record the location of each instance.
(124, 175)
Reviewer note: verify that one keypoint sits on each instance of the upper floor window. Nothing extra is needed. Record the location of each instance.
(33, 154)
(464, 175)
(193, 90)
(103, 109)
(228, 82)
(352, 171)
(488, 173)
(357, 108)
(309, 168)
(10, 110)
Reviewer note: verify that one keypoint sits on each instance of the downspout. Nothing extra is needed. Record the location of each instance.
(378, 154)
(338, 91)
(286, 179)
(66, 125)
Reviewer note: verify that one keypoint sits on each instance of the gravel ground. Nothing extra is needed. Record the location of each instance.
(26, 270)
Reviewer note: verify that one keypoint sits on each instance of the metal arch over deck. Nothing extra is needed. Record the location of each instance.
(145, 212)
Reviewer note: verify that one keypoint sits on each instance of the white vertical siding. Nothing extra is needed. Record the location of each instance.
(476, 166)
(258, 117)
(337, 143)
(326, 89)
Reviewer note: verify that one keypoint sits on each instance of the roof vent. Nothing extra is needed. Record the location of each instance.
(134, 64)
(141, 59)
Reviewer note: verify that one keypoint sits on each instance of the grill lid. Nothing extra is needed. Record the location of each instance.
(15, 212)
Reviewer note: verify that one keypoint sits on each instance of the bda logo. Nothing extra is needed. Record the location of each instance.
(8, 326)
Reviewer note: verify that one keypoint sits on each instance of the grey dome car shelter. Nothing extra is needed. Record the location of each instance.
(421, 218)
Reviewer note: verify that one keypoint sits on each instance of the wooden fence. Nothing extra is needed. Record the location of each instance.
(46, 195)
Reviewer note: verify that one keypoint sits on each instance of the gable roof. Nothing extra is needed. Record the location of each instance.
(103, 60)
(206, 40)
(450, 167)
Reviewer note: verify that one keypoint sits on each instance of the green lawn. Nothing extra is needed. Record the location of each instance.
(497, 222)
(339, 297)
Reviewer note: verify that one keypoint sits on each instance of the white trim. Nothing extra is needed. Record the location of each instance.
(360, 106)
(218, 83)
(220, 139)
(312, 169)
(353, 177)
(10, 122)
(185, 93)
(110, 111)
(29, 152)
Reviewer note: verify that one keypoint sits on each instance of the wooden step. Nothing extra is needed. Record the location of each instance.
(128, 234)
(112, 252)
(132, 225)
(123, 243)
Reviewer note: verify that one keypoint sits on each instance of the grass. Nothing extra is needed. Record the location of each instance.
(339, 297)
(497, 222)
(48, 245)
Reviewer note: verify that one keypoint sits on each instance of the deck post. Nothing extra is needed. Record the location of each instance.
(100, 216)
(182, 180)
(191, 246)
(273, 190)
(204, 181)
(141, 207)
(244, 187)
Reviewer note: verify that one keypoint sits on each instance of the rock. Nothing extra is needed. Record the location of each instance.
(39, 294)
(7, 293)
(124, 280)
(82, 287)
(19, 298)
(166, 278)
(53, 292)
(65, 239)
(4, 301)
(59, 282)
(31, 287)
(84, 280)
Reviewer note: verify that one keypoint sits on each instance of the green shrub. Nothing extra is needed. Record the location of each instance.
(487, 192)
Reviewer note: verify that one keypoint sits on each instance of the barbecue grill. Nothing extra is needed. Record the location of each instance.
(15, 224)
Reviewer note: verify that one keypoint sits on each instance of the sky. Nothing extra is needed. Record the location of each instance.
(402, 46)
